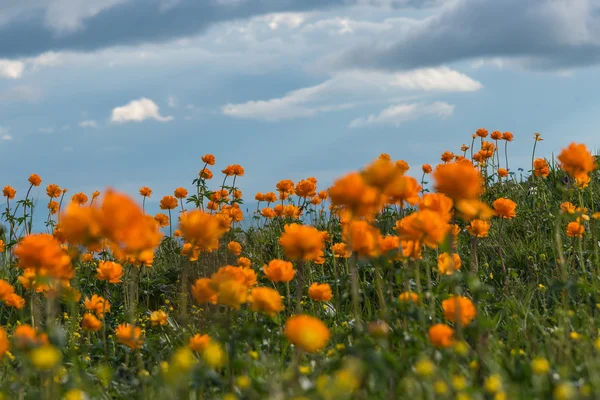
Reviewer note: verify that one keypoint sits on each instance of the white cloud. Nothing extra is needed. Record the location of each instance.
(348, 89)
(11, 69)
(4, 134)
(291, 20)
(48, 59)
(137, 111)
(66, 16)
(397, 114)
(88, 124)
(172, 101)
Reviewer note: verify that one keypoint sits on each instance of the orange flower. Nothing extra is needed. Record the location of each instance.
(285, 186)
(505, 208)
(424, 226)
(438, 202)
(6, 289)
(79, 198)
(540, 168)
(408, 296)
(202, 229)
(567, 207)
(89, 322)
(307, 333)
(162, 219)
(53, 191)
(575, 229)
(426, 168)
(168, 203)
(447, 156)
(203, 293)
(352, 193)
(16, 301)
(9, 192)
(301, 242)
(4, 343)
(26, 336)
(209, 159)
(43, 254)
(199, 342)
(481, 132)
(129, 336)
(109, 271)
(205, 173)
(180, 193)
(35, 179)
(507, 136)
(458, 180)
(403, 189)
(53, 207)
(502, 172)
(362, 238)
(320, 292)
(411, 249)
(97, 304)
(244, 262)
(388, 243)
(145, 191)
(458, 308)
(447, 263)
(266, 300)
(479, 228)
(279, 271)
(385, 156)
(268, 212)
(402, 166)
(291, 211)
(306, 188)
(323, 195)
(259, 197)
(474, 209)
(341, 250)
(95, 195)
(235, 248)
(496, 135)
(441, 335)
(158, 317)
(380, 173)
(577, 161)
(271, 197)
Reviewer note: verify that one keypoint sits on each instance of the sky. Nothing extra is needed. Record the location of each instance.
(131, 93)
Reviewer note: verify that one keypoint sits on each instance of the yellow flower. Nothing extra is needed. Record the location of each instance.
(214, 355)
(564, 391)
(243, 382)
(74, 394)
(575, 336)
(253, 354)
(540, 366)
(183, 359)
(45, 357)
(440, 387)
(424, 367)
(461, 348)
(459, 382)
(493, 383)
(305, 369)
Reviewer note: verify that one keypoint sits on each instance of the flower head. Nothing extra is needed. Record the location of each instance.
(301, 242)
(266, 300)
(308, 333)
(320, 292)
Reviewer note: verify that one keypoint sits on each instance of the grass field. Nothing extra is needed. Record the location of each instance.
(469, 282)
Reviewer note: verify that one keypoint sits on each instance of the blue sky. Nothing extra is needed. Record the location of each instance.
(126, 93)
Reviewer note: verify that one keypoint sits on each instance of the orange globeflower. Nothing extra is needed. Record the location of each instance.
(266, 300)
(320, 292)
(97, 304)
(270, 197)
(481, 132)
(53, 207)
(385, 156)
(577, 161)
(340, 250)
(285, 186)
(479, 228)
(502, 172)
(496, 135)
(306, 188)
(352, 193)
(199, 342)
(180, 193)
(35, 179)
(209, 159)
(447, 156)
(426, 168)
(567, 207)
(447, 263)
(205, 173)
(438, 202)
(403, 189)
(402, 166)
(575, 229)
(162, 219)
(244, 262)
(424, 226)
(505, 208)
(301, 242)
(235, 248)
(89, 322)
(279, 271)
(268, 212)
(441, 335)
(362, 238)
(16, 301)
(380, 173)
(158, 317)
(507, 136)
(408, 296)
(109, 271)
(458, 180)
(79, 198)
(168, 203)
(259, 197)
(25, 336)
(4, 343)
(53, 191)
(81, 225)
(202, 229)
(145, 191)
(323, 195)
(9, 192)
(43, 254)
(307, 333)
(129, 336)
(458, 308)
(540, 168)
(203, 293)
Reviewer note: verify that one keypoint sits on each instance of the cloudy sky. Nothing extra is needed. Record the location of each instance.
(132, 92)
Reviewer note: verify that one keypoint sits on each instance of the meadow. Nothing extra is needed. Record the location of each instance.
(472, 282)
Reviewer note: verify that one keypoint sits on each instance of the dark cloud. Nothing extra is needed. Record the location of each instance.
(25, 31)
(540, 34)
